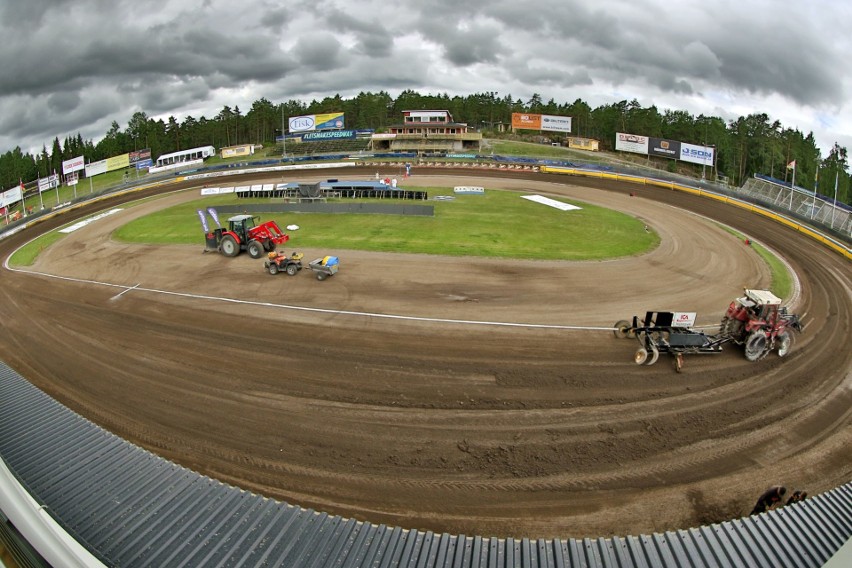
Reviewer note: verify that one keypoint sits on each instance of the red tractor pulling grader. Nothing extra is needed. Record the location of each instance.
(246, 233)
(756, 321)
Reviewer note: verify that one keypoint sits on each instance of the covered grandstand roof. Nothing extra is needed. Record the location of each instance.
(129, 507)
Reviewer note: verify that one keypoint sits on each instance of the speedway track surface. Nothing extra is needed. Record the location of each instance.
(449, 420)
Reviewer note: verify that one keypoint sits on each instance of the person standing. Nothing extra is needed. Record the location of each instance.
(768, 499)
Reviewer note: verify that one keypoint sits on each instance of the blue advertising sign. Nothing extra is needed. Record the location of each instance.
(329, 135)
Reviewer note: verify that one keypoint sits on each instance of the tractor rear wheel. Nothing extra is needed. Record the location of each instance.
(755, 345)
(255, 249)
(784, 342)
(622, 329)
(292, 269)
(229, 246)
(273, 268)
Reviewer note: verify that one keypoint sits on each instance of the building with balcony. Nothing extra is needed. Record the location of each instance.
(427, 133)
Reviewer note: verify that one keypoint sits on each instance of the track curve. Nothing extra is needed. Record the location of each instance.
(450, 427)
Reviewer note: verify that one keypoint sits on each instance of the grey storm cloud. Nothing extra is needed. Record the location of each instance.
(64, 62)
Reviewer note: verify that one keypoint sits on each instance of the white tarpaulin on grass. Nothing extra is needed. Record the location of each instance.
(550, 202)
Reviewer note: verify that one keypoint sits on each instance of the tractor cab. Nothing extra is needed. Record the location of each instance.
(762, 304)
(241, 225)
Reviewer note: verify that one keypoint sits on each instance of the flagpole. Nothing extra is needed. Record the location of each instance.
(816, 185)
(40, 198)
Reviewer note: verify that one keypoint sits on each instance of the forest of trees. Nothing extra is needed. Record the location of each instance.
(753, 144)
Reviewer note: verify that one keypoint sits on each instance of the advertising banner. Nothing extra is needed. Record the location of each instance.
(71, 179)
(10, 196)
(142, 164)
(95, 168)
(526, 121)
(703, 155)
(215, 215)
(117, 162)
(235, 151)
(555, 123)
(139, 155)
(73, 165)
(631, 143)
(48, 183)
(203, 219)
(310, 122)
(329, 135)
(664, 148)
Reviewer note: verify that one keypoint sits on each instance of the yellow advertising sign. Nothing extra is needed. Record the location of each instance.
(118, 162)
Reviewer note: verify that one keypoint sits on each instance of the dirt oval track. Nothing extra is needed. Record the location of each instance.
(448, 420)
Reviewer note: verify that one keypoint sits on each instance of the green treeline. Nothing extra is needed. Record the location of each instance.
(749, 145)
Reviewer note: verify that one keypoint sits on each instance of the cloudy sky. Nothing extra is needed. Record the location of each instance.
(75, 66)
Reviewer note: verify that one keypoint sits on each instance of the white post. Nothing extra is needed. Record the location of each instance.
(23, 201)
(834, 210)
(792, 185)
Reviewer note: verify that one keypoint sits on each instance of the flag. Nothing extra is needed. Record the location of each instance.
(791, 165)
(22, 184)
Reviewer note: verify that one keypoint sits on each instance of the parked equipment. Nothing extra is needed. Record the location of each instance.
(325, 267)
(245, 233)
(756, 321)
(278, 262)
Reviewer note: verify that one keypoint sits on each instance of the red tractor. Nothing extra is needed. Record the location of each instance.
(245, 234)
(759, 322)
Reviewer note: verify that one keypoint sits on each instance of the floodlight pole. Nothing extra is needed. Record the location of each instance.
(283, 135)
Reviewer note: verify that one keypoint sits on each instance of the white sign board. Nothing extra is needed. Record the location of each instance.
(683, 319)
(703, 155)
(73, 165)
(555, 123)
(631, 143)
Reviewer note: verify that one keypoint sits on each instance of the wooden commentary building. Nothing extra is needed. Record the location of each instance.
(428, 133)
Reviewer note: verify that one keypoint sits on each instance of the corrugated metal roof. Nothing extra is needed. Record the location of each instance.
(132, 508)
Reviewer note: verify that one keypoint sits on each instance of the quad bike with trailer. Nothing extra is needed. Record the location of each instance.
(757, 321)
(278, 262)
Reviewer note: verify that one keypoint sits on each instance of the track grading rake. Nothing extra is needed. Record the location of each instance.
(756, 321)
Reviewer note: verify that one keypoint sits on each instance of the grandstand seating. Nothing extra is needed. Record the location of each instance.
(321, 147)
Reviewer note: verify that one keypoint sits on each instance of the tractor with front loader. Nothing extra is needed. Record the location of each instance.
(756, 321)
(246, 233)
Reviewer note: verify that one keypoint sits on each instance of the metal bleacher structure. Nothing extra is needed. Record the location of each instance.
(73, 494)
(801, 203)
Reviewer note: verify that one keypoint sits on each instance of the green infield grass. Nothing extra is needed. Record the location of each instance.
(496, 224)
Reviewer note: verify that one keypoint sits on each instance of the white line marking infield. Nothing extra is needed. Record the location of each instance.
(551, 202)
(203, 297)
